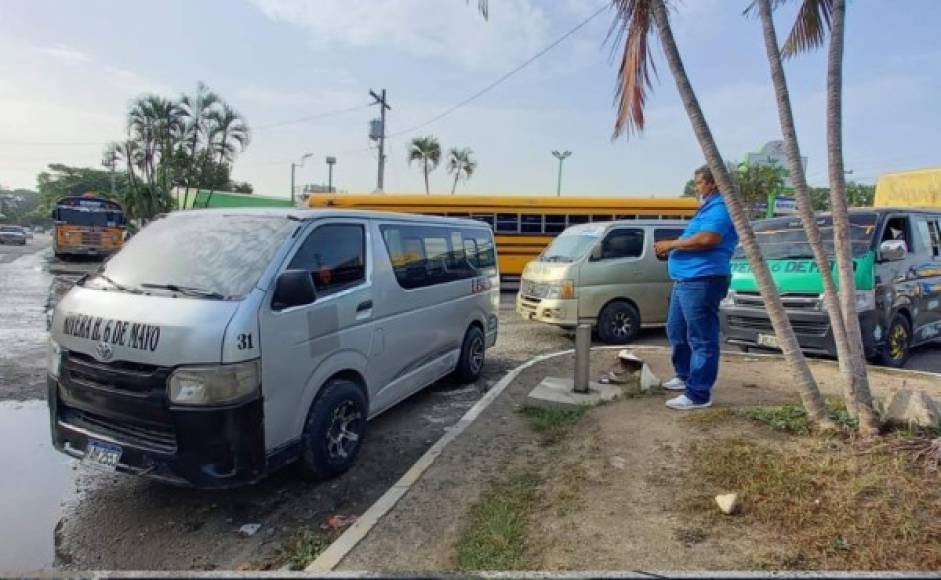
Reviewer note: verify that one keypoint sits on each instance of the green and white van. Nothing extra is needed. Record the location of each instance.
(897, 258)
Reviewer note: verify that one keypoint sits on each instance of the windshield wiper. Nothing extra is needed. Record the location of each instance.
(120, 287)
(556, 259)
(187, 290)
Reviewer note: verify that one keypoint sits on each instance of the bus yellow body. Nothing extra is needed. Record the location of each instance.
(87, 225)
(523, 225)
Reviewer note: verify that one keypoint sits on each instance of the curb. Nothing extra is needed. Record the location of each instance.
(339, 549)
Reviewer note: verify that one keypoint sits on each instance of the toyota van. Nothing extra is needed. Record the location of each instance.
(219, 345)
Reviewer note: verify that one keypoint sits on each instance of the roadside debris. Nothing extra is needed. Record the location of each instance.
(631, 370)
(249, 530)
(338, 522)
(617, 462)
(729, 503)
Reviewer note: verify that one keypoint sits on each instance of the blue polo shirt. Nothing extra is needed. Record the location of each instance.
(712, 216)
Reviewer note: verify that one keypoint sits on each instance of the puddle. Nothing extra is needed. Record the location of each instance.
(36, 482)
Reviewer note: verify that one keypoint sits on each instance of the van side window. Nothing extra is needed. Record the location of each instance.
(661, 234)
(623, 243)
(896, 228)
(335, 255)
(928, 236)
(428, 255)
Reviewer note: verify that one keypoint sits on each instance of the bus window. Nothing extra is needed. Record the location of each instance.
(578, 219)
(555, 224)
(487, 218)
(508, 223)
(531, 224)
(627, 217)
(458, 215)
(601, 218)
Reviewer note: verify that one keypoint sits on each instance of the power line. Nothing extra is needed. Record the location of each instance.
(316, 117)
(501, 79)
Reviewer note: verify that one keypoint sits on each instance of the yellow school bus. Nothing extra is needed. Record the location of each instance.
(523, 225)
(87, 225)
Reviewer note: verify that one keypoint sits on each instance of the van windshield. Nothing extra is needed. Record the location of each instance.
(572, 244)
(784, 238)
(209, 255)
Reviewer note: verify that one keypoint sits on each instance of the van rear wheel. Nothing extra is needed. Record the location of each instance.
(334, 431)
(618, 323)
(897, 348)
(473, 355)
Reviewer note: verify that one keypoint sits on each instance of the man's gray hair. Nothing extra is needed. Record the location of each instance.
(706, 173)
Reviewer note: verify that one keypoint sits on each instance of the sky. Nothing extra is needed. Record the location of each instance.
(68, 71)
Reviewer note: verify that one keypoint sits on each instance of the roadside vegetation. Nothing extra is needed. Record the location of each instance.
(552, 424)
(307, 544)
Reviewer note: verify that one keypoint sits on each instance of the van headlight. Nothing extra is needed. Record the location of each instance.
(214, 385)
(865, 300)
(563, 290)
(53, 359)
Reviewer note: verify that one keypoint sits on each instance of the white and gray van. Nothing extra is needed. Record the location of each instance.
(219, 345)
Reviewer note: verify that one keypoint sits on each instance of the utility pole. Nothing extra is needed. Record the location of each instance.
(330, 162)
(561, 157)
(383, 107)
(110, 160)
(304, 158)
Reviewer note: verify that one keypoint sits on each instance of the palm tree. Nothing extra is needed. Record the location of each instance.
(228, 136)
(636, 19)
(195, 111)
(813, 19)
(461, 165)
(427, 150)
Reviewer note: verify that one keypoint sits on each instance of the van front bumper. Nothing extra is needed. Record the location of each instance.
(551, 311)
(742, 325)
(218, 447)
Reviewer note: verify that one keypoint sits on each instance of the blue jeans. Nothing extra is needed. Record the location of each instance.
(693, 330)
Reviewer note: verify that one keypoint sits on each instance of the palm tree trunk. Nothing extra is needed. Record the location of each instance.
(806, 385)
(805, 205)
(868, 421)
(427, 189)
(457, 174)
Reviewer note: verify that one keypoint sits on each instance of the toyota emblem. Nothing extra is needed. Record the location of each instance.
(103, 351)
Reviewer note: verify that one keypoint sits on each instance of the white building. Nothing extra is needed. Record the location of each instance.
(773, 152)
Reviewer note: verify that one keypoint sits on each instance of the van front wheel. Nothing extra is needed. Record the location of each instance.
(335, 430)
(473, 355)
(896, 350)
(618, 323)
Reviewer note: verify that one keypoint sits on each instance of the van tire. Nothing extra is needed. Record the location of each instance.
(898, 342)
(618, 323)
(326, 448)
(473, 356)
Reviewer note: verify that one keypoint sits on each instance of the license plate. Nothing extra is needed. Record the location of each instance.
(103, 456)
(768, 340)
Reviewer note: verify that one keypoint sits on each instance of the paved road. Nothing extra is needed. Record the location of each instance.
(130, 523)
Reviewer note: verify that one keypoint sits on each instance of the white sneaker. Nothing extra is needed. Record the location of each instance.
(684, 403)
(674, 384)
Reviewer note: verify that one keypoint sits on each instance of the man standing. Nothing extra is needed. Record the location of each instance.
(700, 266)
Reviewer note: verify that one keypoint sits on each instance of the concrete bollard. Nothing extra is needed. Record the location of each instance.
(582, 356)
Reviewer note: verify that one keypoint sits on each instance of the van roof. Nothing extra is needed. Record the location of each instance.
(311, 214)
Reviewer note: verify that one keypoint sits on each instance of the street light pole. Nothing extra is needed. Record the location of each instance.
(304, 158)
(330, 162)
(561, 157)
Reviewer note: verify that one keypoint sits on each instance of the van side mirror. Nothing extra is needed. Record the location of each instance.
(293, 288)
(893, 250)
(596, 252)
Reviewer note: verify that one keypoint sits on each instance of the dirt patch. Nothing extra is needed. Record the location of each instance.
(625, 487)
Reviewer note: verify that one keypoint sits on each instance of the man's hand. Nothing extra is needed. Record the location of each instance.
(663, 247)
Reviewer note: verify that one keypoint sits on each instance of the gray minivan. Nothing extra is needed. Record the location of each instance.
(218, 345)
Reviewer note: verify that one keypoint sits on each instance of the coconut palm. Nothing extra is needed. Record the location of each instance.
(228, 136)
(635, 19)
(813, 19)
(461, 164)
(426, 150)
(195, 111)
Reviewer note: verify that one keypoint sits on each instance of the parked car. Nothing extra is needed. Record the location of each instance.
(897, 259)
(15, 235)
(605, 274)
(256, 338)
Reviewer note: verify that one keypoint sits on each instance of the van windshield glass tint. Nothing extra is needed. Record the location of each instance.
(215, 253)
(784, 238)
(571, 245)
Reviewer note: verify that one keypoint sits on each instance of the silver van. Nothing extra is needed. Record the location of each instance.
(219, 345)
(605, 274)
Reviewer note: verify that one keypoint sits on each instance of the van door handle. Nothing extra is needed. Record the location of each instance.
(364, 306)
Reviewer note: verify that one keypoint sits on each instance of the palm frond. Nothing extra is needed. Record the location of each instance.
(632, 24)
(810, 28)
(483, 6)
(751, 9)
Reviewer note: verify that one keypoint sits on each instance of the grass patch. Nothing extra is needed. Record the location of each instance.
(552, 423)
(832, 506)
(708, 417)
(495, 536)
(793, 419)
(305, 547)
